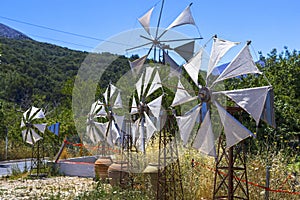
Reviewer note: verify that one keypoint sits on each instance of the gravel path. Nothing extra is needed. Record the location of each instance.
(47, 188)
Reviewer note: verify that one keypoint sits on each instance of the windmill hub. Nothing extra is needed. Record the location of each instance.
(204, 94)
(28, 125)
(90, 121)
(155, 42)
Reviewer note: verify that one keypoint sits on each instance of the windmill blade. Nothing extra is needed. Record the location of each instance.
(22, 123)
(118, 102)
(186, 123)
(112, 90)
(41, 127)
(138, 86)
(268, 114)
(36, 113)
(234, 130)
(136, 47)
(181, 95)
(252, 100)
(32, 111)
(24, 134)
(242, 64)
(193, 66)
(94, 132)
(139, 140)
(113, 134)
(135, 130)
(105, 95)
(204, 140)
(175, 70)
(32, 137)
(156, 83)
(148, 74)
(185, 17)
(102, 112)
(95, 107)
(25, 115)
(134, 109)
(186, 51)
(155, 106)
(102, 127)
(137, 64)
(119, 121)
(219, 49)
(145, 20)
(150, 128)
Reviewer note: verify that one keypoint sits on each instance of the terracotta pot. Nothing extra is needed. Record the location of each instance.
(101, 167)
(117, 173)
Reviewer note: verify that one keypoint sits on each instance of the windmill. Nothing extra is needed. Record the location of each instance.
(31, 131)
(143, 106)
(108, 131)
(209, 96)
(114, 123)
(94, 129)
(158, 39)
(165, 41)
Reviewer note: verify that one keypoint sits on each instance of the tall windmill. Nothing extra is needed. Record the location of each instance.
(32, 133)
(159, 41)
(209, 96)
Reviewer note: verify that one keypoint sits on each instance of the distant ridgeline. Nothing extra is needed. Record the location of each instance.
(33, 71)
(7, 32)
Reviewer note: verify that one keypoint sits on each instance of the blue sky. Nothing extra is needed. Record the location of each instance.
(269, 24)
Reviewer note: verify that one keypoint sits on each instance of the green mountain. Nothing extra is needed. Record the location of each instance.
(31, 69)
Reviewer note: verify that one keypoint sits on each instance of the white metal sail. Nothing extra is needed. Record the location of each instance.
(145, 20)
(185, 17)
(242, 64)
(252, 100)
(94, 130)
(107, 131)
(30, 128)
(145, 86)
(193, 66)
(219, 49)
(181, 95)
(157, 41)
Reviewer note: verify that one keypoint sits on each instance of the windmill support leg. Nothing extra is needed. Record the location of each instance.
(169, 184)
(231, 174)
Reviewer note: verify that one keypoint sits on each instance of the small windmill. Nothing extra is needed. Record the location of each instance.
(251, 100)
(114, 122)
(31, 131)
(108, 131)
(144, 106)
(94, 129)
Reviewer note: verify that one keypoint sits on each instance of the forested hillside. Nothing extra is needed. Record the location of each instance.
(42, 75)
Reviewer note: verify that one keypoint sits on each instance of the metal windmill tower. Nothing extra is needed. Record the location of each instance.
(31, 130)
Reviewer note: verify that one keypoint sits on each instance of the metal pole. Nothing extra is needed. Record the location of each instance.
(267, 182)
(6, 143)
(143, 135)
(230, 174)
